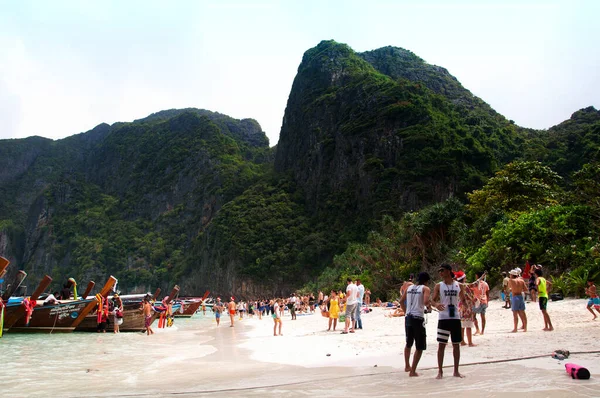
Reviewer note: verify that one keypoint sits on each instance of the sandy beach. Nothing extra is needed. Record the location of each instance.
(198, 359)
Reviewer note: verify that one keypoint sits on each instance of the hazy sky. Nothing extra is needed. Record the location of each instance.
(66, 66)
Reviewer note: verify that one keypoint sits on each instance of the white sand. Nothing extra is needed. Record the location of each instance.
(197, 358)
(306, 342)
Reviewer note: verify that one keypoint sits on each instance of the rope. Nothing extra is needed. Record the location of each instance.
(241, 389)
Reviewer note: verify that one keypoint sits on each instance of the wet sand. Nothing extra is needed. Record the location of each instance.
(198, 359)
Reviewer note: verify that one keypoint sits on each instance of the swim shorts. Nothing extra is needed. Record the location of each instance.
(517, 303)
(415, 332)
(481, 309)
(543, 303)
(449, 328)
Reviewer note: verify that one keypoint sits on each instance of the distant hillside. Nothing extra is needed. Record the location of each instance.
(198, 198)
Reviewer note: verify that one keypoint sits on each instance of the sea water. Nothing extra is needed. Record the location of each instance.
(195, 357)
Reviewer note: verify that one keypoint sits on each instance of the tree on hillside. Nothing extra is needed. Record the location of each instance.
(518, 187)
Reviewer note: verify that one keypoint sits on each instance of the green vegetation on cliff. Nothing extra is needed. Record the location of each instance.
(385, 165)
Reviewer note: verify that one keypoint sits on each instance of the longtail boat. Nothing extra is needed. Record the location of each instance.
(24, 309)
(133, 317)
(190, 306)
(60, 318)
(3, 264)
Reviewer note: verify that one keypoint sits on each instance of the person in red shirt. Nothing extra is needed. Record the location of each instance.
(482, 295)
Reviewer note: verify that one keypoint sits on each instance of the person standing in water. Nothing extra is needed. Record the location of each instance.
(231, 309)
(147, 310)
(445, 296)
(413, 303)
(543, 287)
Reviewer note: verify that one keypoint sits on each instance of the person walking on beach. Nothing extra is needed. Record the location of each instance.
(334, 310)
(292, 306)
(351, 302)
(465, 309)
(413, 303)
(594, 301)
(147, 311)
(218, 309)
(505, 290)
(482, 295)
(277, 317)
(517, 287)
(361, 293)
(543, 287)
(231, 309)
(445, 296)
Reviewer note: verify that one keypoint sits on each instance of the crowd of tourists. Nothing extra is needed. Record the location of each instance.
(461, 307)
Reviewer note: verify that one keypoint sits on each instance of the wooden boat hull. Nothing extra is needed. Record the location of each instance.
(58, 318)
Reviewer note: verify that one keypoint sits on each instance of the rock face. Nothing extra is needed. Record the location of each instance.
(197, 198)
(384, 129)
(126, 199)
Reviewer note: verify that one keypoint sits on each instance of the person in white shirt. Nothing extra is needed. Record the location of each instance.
(413, 302)
(351, 303)
(361, 294)
(446, 296)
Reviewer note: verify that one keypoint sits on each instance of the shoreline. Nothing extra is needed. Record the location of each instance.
(199, 359)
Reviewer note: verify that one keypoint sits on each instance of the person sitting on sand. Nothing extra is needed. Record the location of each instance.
(594, 301)
(397, 313)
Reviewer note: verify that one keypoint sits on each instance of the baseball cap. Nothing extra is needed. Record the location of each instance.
(446, 267)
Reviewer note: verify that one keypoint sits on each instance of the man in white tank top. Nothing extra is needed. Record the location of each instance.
(413, 302)
(446, 295)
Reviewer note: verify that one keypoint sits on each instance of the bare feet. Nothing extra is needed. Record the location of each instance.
(440, 375)
(514, 331)
(463, 343)
(413, 374)
(407, 369)
(524, 330)
(477, 333)
(472, 345)
(456, 374)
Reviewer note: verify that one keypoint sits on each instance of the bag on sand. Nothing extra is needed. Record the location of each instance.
(577, 372)
(556, 297)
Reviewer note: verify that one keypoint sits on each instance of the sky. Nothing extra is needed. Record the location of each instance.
(67, 66)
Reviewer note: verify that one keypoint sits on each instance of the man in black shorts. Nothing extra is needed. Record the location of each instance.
(446, 296)
(413, 303)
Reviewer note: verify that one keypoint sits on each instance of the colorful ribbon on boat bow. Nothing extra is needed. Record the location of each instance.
(29, 305)
(102, 311)
(72, 280)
